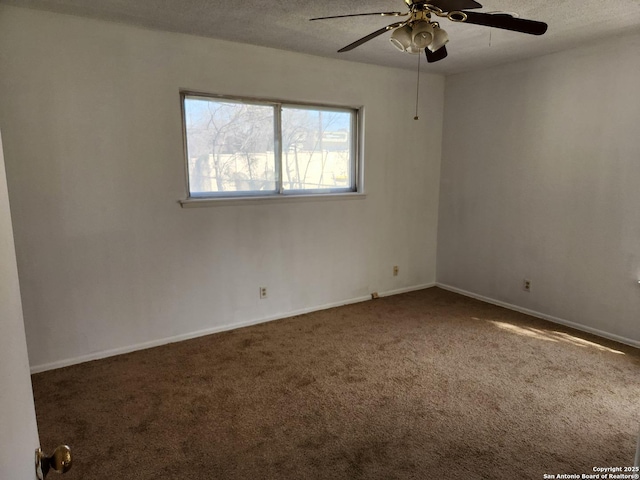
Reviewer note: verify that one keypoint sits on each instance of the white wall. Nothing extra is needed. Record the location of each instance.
(107, 258)
(18, 430)
(540, 180)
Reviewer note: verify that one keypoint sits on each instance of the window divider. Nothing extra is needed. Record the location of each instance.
(277, 148)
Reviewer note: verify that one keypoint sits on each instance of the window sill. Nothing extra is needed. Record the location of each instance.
(229, 201)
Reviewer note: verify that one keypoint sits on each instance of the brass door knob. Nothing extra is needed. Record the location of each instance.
(60, 461)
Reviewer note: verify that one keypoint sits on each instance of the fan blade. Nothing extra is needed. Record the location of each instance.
(380, 14)
(451, 5)
(371, 36)
(437, 55)
(506, 22)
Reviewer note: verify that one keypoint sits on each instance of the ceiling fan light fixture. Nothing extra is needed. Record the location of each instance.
(422, 33)
(401, 38)
(440, 39)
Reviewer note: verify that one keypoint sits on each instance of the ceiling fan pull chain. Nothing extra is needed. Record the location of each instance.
(417, 89)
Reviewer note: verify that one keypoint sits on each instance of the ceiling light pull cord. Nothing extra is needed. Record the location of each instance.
(418, 89)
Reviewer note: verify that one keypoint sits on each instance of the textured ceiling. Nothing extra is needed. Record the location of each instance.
(285, 25)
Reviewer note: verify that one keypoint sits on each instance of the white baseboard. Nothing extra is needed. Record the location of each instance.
(407, 289)
(200, 333)
(544, 316)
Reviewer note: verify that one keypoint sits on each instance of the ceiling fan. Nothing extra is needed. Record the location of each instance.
(419, 32)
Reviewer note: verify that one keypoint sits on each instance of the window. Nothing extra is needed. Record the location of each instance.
(240, 147)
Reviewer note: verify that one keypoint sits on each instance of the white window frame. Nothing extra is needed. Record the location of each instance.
(354, 190)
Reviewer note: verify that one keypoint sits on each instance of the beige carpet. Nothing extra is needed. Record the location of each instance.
(425, 385)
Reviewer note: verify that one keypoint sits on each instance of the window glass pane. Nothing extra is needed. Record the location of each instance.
(316, 149)
(229, 146)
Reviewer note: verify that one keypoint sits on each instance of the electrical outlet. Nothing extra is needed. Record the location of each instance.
(395, 270)
(526, 285)
(263, 292)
